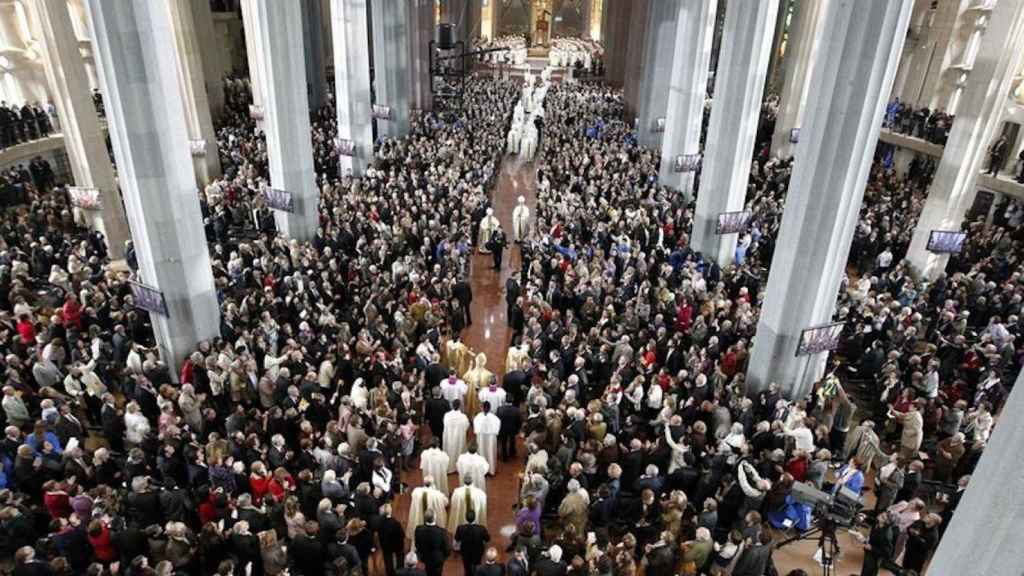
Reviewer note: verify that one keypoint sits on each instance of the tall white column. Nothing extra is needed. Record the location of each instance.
(254, 55)
(984, 535)
(352, 82)
(735, 113)
(684, 114)
(657, 71)
(83, 139)
(313, 49)
(216, 65)
(801, 51)
(391, 78)
(978, 120)
(134, 46)
(421, 32)
(849, 86)
(286, 113)
(192, 80)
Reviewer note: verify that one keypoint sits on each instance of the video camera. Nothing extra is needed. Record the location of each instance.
(839, 510)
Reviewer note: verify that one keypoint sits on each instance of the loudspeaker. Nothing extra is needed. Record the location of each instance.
(446, 36)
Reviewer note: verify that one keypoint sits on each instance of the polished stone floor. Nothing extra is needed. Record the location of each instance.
(489, 334)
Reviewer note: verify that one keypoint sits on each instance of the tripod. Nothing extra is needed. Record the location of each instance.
(824, 530)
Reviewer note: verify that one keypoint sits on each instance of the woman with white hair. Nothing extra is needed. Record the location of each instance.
(136, 424)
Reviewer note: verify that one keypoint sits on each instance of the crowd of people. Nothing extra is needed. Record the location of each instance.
(25, 123)
(284, 443)
(930, 125)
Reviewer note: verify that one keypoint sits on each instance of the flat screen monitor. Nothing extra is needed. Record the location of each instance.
(818, 339)
(946, 241)
(733, 222)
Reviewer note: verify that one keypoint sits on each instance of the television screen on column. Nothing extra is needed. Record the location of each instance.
(946, 241)
(733, 222)
(818, 339)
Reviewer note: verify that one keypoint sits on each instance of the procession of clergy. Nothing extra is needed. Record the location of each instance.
(472, 461)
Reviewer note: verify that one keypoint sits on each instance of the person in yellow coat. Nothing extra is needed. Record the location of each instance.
(458, 355)
(476, 378)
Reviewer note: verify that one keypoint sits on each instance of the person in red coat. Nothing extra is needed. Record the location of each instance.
(56, 499)
(72, 312)
(26, 330)
(99, 538)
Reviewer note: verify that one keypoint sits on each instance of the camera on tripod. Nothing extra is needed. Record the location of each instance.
(842, 509)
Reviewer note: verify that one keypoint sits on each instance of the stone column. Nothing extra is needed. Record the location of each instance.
(801, 51)
(254, 56)
(85, 143)
(352, 82)
(215, 64)
(275, 26)
(984, 535)
(391, 78)
(978, 123)
(313, 50)
(657, 71)
(684, 115)
(634, 45)
(421, 32)
(617, 30)
(202, 138)
(735, 114)
(777, 60)
(849, 86)
(134, 47)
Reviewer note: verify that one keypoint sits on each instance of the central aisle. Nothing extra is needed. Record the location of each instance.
(491, 335)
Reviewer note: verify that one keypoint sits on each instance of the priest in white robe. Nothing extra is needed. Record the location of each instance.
(487, 227)
(456, 424)
(464, 498)
(435, 462)
(486, 426)
(518, 358)
(474, 467)
(520, 220)
(453, 388)
(424, 498)
(494, 395)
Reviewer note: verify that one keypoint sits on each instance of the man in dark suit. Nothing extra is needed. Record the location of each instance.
(436, 408)
(392, 540)
(306, 553)
(518, 565)
(511, 422)
(490, 567)
(431, 543)
(512, 291)
(464, 294)
(514, 383)
(550, 563)
(472, 539)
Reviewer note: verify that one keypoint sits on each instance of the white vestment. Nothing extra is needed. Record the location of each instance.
(474, 467)
(516, 359)
(462, 499)
(426, 498)
(496, 397)
(453, 390)
(486, 427)
(456, 424)
(487, 227)
(520, 222)
(434, 462)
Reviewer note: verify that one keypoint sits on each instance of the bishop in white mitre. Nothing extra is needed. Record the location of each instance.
(488, 225)
(434, 462)
(486, 427)
(520, 220)
(456, 425)
(474, 467)
(424, 498)
(465, 498)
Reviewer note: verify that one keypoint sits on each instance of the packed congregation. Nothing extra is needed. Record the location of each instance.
(346, 421)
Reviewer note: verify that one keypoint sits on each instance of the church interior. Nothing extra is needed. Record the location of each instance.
(511, 287)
